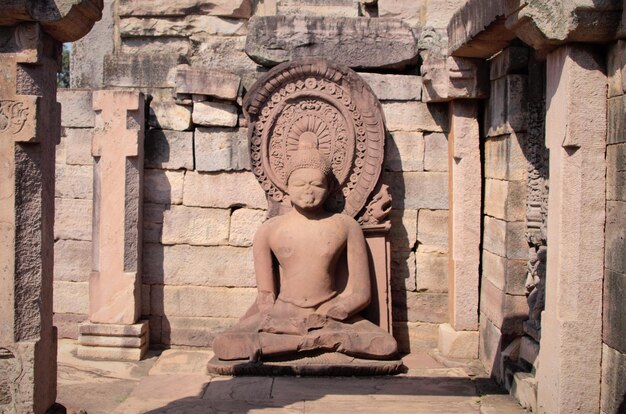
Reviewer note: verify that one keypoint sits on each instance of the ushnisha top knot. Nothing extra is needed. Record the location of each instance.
(307, 156)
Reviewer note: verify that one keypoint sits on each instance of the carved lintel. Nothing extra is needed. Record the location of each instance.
(481, 28)
(448, 78)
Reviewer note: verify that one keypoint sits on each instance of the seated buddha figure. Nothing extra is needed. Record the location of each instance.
(304, 308)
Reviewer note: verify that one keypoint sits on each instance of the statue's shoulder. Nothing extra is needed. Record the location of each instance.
(268, 227)
(348, 221)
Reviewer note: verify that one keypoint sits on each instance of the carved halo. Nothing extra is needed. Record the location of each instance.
(330, 102)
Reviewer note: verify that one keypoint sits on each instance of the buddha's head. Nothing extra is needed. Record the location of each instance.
(307, 173)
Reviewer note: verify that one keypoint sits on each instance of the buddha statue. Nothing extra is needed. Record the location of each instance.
(306, 304)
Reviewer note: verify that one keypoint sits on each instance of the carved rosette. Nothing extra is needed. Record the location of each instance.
(334, 104)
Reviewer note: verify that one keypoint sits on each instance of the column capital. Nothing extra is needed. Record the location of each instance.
(64, 20)
(446, 78)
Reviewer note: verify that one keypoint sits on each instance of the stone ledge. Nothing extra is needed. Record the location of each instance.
(313, 364)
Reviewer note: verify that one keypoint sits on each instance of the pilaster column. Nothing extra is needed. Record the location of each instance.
(29, 129)
(115, 283)
(461, 82)
(568, 375)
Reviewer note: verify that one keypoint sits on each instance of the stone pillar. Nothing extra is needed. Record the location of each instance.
(568, 375)
(461, 82)
(459, 338)
(115, 283)
(29, 130)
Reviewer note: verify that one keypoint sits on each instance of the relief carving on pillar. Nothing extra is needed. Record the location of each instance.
(536, 217)
(13, 116)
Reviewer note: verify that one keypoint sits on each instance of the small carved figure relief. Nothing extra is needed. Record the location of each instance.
(536, 217)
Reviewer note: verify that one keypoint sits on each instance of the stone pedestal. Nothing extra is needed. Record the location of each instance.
(113, 341)
(115, 283)
(571, 342)
(29, 130)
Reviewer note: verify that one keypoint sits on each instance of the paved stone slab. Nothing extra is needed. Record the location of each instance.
(181, 361)
(239, 388)
(173, 383)
(354, 42)
(392, 389)
(348, 406)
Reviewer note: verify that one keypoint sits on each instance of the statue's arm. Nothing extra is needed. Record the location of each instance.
(264, 272)
(357, 294)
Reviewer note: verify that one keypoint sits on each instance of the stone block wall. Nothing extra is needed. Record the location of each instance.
(73, 211)
(202, 204)
(503, 306)
(613, 390)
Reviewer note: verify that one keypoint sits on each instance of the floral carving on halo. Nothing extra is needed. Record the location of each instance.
(334, 105)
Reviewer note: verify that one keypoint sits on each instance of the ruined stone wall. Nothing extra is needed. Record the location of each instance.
(202, 203)
(613, 391)
(503, 306)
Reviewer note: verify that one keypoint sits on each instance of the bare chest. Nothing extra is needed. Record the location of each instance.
(315, 240)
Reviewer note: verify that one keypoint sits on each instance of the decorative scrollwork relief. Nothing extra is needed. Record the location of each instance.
(13, 116)
(338, 108)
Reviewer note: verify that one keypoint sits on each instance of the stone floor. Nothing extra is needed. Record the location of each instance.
(174, 382)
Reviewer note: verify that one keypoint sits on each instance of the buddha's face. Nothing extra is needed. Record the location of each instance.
(307, 188)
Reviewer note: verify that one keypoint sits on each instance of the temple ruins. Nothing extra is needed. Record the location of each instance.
(494, 130)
